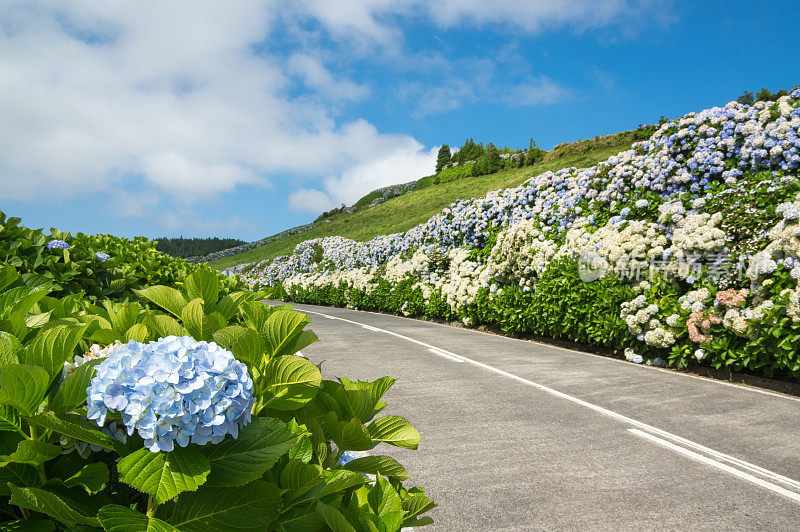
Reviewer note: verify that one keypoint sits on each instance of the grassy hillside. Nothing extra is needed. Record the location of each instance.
(406, 211)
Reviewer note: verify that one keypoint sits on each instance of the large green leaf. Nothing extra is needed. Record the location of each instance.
(34, 452)
(349, 435)
(202, 284)
(78, 428)
(341, 480)
(20, 300)
(290, 382)
(8, 274)
(72, 392)
(116, 518)
(245, 343)
(297, 478)
(210, 509)
(199, 325)
(164, 475)
(334, 518)
(394, 430)
(281, 330)
(165, 297)
(54, 346)
(229, 304)
(92, 477)
(9, 349)
(235, 462)
(24, 386)
(137, 332)
(19, 475)
(40, 500)
(162, 326)
(385, 501)
(375, 465)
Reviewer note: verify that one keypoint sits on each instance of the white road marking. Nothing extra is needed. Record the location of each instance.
(719, 465)
(610, 413)
(445, 355)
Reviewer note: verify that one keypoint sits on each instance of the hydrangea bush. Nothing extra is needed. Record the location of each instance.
(184, 407)
(707, 205)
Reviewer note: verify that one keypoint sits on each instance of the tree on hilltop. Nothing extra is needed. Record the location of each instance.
(443, 158)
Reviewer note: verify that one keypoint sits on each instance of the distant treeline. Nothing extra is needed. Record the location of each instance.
(192, 247)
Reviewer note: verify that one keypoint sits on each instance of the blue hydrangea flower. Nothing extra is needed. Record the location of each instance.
(57, 244)
(102, 256)
(174, 390)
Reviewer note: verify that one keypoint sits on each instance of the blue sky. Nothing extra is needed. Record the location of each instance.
(246, 118)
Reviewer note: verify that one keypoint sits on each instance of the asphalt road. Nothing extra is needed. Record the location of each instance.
(524, 436)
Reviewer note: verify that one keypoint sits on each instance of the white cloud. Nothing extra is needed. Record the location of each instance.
(409, 161)
(319, 78)
(309, 200)
(95, 94)
(537, 92)
(372, 20)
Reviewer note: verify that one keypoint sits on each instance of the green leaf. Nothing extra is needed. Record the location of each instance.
(24, 386)
(72, 392)
(301, 341)
(28, 525)
(137, 332)
(78, 428)
(54, 346)
(9, 349)
(281, 330)
(341, 480)
(37, 320)
(8, 274)
(290, 382)
(34, 452)
(164, 475)
(92, 477)
(415, 505)
(258, 447)
(165, 297)
(383, 498)
(116, 518)
(17, 474)
(48, 503)
(394, 430)
(375, 465)
(334, 518)
(210, 509)
(162, 326)
(348, 435)
(203, 284)
(200, 326)
(245, 344)
(298, 477)
(229, 304)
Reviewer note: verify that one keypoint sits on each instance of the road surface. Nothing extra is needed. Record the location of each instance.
(524, 436)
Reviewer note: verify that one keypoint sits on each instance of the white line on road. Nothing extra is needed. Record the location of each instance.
(445, 355)
(610, 413)
(719, 465)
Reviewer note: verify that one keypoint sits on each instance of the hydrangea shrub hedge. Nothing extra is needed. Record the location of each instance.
(198, 413)
(682, 251)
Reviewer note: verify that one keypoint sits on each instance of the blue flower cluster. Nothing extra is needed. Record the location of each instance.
(57, 244)
(102, 256)
(174, 390)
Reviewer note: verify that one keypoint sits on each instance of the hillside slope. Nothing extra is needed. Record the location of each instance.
(683, 250)
(404, 212)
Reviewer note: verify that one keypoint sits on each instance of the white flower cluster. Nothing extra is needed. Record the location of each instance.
(520, 253)
(640, 317)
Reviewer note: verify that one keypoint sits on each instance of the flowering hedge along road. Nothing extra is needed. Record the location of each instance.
(682, 251)
(127, 405)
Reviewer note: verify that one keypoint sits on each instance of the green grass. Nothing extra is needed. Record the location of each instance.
(406, 211)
